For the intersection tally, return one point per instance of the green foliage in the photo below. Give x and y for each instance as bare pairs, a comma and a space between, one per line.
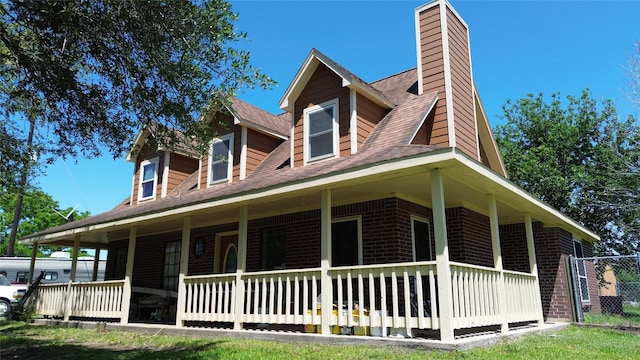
579, 157
37, 215
92, 73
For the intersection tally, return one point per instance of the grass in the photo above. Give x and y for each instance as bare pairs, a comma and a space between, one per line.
23, 340
630, 316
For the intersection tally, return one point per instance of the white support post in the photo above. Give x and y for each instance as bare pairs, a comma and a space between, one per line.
326, 285
32, 264
497, 261
126, 292
533, 263
184, 269
74, 258
445, 297
243, 228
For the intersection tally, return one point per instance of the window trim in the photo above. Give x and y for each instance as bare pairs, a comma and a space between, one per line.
211, 161
155, 161
415, 218
335, 131
358, 219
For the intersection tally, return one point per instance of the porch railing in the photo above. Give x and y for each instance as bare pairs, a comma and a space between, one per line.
98, 300
400, 296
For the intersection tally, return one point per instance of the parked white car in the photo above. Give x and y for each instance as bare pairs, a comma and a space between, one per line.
10, 295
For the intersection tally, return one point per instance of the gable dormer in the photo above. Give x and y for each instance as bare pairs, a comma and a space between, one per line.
332, 111
444, 66
157, 172
247, 134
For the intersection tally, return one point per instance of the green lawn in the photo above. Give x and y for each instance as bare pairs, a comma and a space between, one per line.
21, 340
630, 316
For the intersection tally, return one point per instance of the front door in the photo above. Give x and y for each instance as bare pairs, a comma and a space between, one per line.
228, 255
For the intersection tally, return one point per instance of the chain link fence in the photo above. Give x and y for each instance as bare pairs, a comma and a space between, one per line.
606, 290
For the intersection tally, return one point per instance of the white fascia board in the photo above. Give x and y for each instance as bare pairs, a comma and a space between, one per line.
140, 138
260, 128
302, 76
516, 190
438, 158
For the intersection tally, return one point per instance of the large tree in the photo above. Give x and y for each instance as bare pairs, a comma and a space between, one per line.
93, 72
579, 157
87, 75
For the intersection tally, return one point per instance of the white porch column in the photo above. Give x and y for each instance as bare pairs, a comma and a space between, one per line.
243, 228
497, 261
74, 258
184, 269
32, 264
533, 263
445, 298
126, 292
326, 285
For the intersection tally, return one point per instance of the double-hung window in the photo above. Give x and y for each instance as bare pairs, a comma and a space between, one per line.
221, 159
321, 131
148, 179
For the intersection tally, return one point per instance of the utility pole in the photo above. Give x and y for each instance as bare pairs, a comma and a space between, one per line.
21, 188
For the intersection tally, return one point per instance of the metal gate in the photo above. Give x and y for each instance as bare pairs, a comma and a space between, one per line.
617, 280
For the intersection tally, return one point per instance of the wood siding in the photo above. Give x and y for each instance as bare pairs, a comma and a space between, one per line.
180, 167
369, 115
324, 85
432, 77
145, 154
461, 86
259, 145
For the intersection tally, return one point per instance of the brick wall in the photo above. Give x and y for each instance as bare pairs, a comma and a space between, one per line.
469, 235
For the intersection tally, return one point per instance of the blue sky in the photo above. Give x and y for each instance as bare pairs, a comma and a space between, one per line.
517, 47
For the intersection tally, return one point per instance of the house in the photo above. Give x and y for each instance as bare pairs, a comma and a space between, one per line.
363, 208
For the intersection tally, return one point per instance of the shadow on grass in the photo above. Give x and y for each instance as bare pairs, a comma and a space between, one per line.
16, 344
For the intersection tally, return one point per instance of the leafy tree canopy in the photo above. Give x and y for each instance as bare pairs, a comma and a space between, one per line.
578, 156
39, 212
92, 73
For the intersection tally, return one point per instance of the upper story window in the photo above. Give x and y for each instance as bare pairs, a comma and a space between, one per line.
221, 159
148, 179
321, 131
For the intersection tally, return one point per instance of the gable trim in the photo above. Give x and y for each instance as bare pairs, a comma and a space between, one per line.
309, 66
486, 138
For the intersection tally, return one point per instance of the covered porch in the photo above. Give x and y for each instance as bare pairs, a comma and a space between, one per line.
439, 298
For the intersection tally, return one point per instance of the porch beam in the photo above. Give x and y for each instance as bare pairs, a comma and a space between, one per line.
497, 261
126, 292
445, 297
533, 262
325, 263
185, 245
243, 228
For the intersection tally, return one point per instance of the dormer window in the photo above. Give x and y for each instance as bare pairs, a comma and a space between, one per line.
221, 159
321, 131
148, 179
